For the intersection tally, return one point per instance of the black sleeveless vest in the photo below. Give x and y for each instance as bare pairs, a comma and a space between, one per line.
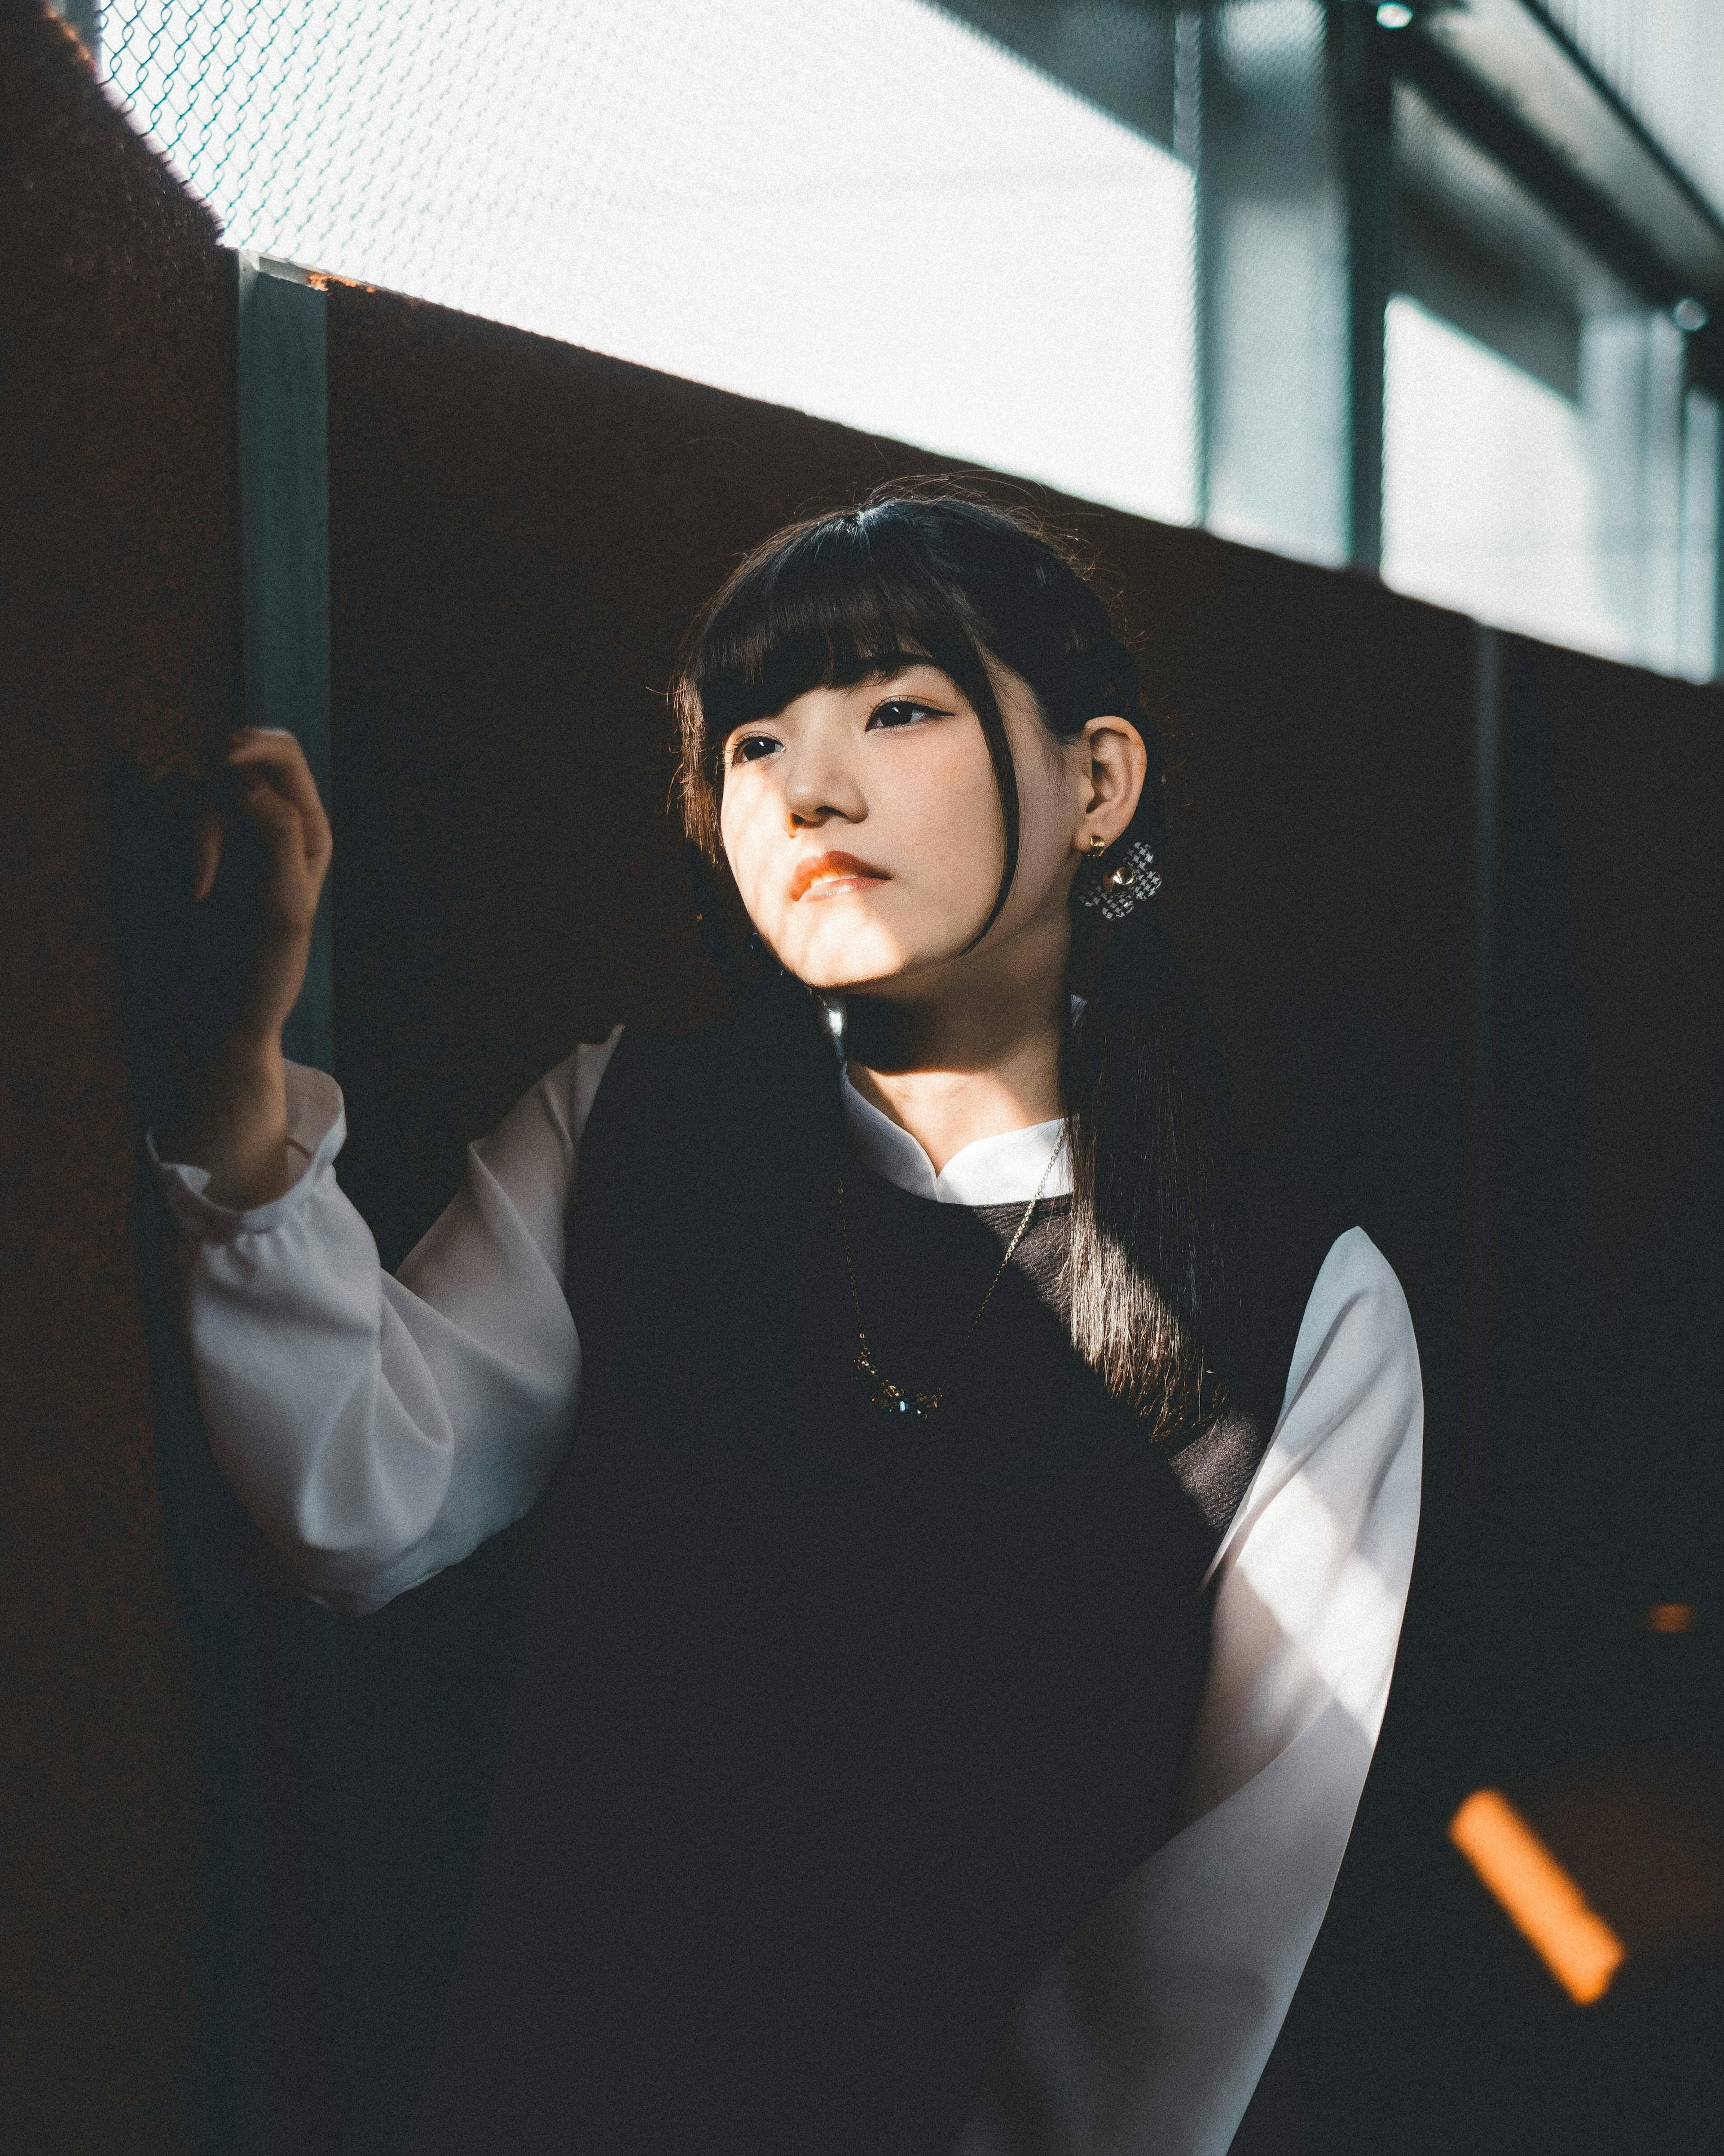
829, 1726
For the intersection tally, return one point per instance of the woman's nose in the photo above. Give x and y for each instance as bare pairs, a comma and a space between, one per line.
817, 787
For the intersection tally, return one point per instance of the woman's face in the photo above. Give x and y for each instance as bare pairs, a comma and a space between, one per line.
864, 828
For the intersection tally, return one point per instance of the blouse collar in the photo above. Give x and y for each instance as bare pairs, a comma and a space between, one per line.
1006, 1169
1003, 1170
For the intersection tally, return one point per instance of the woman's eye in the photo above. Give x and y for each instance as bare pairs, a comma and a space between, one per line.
750, 749
901, 711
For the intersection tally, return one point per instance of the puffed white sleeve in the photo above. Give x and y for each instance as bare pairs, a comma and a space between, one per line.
1196, 1959
377, 1427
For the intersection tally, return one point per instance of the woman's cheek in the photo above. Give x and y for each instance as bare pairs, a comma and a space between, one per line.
957, 806
743, 832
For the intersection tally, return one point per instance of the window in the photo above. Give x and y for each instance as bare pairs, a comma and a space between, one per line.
1546, 465
1140, 252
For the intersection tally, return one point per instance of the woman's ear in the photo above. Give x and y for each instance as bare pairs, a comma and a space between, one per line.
1114, 765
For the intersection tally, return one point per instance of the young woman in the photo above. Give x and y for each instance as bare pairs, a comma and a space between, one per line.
979, 1512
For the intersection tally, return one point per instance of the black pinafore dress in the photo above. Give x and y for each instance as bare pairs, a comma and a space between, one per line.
829, 1726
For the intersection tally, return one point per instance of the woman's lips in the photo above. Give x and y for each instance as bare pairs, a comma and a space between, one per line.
826, 874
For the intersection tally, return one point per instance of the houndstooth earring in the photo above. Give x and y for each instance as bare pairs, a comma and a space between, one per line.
1116, 891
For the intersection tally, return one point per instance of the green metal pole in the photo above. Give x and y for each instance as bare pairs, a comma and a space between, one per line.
284, 502
1364, 94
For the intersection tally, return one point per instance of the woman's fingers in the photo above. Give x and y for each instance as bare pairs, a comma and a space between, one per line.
206, 850
274, 752
271, 785
263, 791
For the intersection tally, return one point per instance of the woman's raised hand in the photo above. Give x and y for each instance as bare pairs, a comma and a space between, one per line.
235, 1104
271, 785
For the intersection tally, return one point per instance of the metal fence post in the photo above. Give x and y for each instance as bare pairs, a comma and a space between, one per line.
284, 518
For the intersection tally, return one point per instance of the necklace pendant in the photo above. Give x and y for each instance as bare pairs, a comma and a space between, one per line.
883, 1394
891, 1398
881, 1391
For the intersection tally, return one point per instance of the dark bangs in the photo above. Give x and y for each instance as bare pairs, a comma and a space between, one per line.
832, 602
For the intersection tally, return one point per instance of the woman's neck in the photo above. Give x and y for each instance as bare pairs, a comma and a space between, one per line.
956, 1070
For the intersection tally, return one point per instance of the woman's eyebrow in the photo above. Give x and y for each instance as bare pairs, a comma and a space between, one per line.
887, 666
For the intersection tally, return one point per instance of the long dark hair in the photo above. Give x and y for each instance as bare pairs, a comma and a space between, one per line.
930, 569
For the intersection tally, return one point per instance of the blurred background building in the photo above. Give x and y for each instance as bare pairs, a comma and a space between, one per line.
1425, 289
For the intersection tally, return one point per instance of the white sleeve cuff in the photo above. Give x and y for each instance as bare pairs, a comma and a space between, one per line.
316, 1131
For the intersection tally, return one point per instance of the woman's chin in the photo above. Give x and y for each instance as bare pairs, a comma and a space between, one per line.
856, 976
837, 963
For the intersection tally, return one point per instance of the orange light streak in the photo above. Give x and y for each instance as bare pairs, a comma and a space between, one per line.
1672, 1617
1569, 1936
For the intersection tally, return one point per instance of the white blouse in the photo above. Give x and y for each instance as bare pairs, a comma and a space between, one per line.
379, 1428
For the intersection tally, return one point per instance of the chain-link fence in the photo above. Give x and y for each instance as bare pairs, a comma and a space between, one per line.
236, 94
877, 212
1050, 235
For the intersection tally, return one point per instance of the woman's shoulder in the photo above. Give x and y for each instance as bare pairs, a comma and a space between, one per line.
745, 1076
627, 1061
645, 1074
1290, 1218
1291, 1230
1357, 1311
1300, 1259
659, 1112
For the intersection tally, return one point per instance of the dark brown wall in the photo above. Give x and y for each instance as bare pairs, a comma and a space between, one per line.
115, 554
1637, 773
1610, 1275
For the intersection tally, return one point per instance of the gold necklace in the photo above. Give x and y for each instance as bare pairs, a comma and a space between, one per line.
895, 1400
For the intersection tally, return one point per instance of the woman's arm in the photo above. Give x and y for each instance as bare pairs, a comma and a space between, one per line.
1312, 1585
379, 1428
1196, 1959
